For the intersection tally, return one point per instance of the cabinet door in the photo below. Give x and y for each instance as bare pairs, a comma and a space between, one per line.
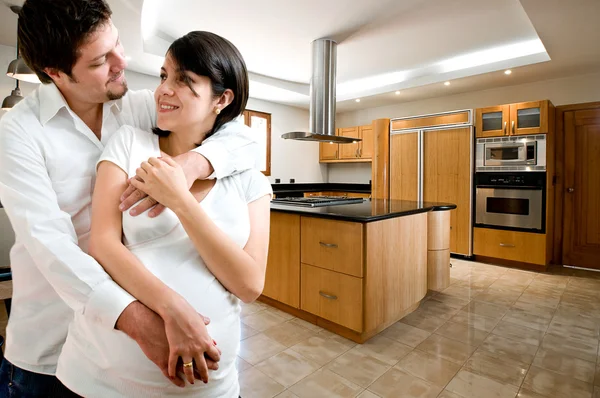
447, 178
510, 245
529, 118
282, 282
365, 150
492, 121
404, 167
328, 150
349, 151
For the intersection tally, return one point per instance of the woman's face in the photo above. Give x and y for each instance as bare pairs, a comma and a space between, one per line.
184, 100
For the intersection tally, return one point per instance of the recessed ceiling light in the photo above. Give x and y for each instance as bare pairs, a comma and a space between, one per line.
447, 84
397, 92
357, 100
507, 72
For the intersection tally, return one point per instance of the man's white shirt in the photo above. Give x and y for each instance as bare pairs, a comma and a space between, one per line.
47, 174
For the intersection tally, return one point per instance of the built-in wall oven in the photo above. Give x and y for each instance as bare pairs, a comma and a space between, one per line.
515, 201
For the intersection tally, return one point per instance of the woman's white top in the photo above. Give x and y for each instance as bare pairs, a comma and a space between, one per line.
96, 362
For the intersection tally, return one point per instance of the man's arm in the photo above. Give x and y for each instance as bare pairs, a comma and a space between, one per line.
230, 150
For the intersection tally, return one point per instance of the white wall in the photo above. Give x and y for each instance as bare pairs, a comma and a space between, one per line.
569, 90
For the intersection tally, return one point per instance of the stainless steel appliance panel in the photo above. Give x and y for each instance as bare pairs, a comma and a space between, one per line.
509, 207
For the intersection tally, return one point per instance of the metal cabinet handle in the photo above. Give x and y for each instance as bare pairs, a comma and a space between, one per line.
570, 190
332, 245
505, 128
336, 156
328, 296
506, 245
360, 153
513, 127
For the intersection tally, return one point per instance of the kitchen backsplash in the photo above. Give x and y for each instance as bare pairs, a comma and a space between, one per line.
359, 173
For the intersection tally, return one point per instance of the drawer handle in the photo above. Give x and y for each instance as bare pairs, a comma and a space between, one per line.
328, 296
332, 245
506, 245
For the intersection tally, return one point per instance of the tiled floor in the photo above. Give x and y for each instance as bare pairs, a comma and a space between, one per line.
495, 332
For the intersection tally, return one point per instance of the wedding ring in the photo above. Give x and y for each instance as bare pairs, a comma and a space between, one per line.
189, 364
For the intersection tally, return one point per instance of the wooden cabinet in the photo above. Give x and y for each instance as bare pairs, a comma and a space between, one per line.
333, 245
360, 151
404, 166
333, 296
522, 118
523, 247
282, 281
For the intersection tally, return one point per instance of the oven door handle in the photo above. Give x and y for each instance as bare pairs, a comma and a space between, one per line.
530, 187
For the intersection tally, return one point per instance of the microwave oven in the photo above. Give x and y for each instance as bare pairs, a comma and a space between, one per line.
527, 153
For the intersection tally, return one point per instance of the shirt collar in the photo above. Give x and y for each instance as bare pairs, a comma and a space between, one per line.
52, 101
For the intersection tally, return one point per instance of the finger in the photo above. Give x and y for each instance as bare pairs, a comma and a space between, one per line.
212, 365
134, 197
146, 167
173, 358
170, 162
140, 175
146, 204
158, 209
188, 369
213, 353
176, 380
154, 161
205, 318
128, 191
202, 368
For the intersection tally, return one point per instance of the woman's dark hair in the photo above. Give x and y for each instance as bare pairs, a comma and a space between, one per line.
51, 32
210, 55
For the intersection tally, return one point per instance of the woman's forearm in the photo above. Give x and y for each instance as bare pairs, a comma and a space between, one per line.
237, 270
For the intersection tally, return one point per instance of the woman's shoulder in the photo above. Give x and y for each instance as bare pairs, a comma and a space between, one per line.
128, 135
252, 184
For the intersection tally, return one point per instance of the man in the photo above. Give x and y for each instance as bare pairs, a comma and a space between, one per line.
49, 145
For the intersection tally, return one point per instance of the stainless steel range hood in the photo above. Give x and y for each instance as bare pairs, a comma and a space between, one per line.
322, 97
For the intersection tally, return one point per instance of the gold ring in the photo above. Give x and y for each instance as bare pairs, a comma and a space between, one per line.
189, 364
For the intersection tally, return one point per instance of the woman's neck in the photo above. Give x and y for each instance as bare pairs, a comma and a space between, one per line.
177, 143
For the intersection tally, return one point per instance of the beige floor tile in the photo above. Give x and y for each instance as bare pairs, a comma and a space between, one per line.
535, 309
565, 365
582, 301
325, 383
477, 321
406, 334
499, 296
486, 309
336, 337
251, 308
247, 331
504, 370
358, 367
288, 333
287, 394
451, 350
448, 394
386, 350
520, 317
529, 394
254, 384
568, 329
320, 350
519, 333
396, 383
540, 300
468, 384
452, 301
307, 325
262, 320
435, 308
368, 394
597, 379
500, 347
257, 348
282, 314
586, 349
242, 365
423, 321
428, 367
596, 392
462, 332
463, 292
288, 367
552, 384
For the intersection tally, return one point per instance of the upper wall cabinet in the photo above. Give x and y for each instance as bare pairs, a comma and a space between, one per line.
360, 151
512, 119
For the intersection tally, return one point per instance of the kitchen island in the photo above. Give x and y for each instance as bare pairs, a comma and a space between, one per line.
356, 269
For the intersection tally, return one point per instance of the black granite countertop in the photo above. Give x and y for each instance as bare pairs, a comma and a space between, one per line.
367, 211
283, 189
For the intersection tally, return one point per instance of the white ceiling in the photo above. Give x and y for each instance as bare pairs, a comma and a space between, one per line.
406, 45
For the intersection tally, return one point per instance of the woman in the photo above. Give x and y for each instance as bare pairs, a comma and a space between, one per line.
204, 254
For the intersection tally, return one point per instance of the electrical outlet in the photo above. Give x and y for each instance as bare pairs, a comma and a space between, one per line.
292, 180
277, 180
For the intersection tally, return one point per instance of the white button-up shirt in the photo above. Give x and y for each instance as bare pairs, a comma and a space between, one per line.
47, 174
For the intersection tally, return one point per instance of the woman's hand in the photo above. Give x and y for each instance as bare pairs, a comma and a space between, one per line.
164, 180
189, 340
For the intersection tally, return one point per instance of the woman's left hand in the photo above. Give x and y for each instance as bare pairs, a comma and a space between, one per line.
164, 180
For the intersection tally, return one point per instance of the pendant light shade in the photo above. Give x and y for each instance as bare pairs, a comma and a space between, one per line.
19, 70
13, 99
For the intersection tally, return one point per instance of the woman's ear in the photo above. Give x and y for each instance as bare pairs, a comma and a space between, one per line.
225, 99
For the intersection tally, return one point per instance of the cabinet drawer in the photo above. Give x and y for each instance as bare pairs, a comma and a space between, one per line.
333, 245
332, 296
510, 245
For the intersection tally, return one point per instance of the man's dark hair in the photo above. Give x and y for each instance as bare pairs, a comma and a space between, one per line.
210, 55
51, 32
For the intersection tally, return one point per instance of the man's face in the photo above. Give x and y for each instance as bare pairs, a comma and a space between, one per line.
99, 73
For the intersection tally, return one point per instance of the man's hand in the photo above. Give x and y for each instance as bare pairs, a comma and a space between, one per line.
148, 330
195, 167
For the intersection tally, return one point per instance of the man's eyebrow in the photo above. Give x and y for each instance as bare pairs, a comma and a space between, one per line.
105, 54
